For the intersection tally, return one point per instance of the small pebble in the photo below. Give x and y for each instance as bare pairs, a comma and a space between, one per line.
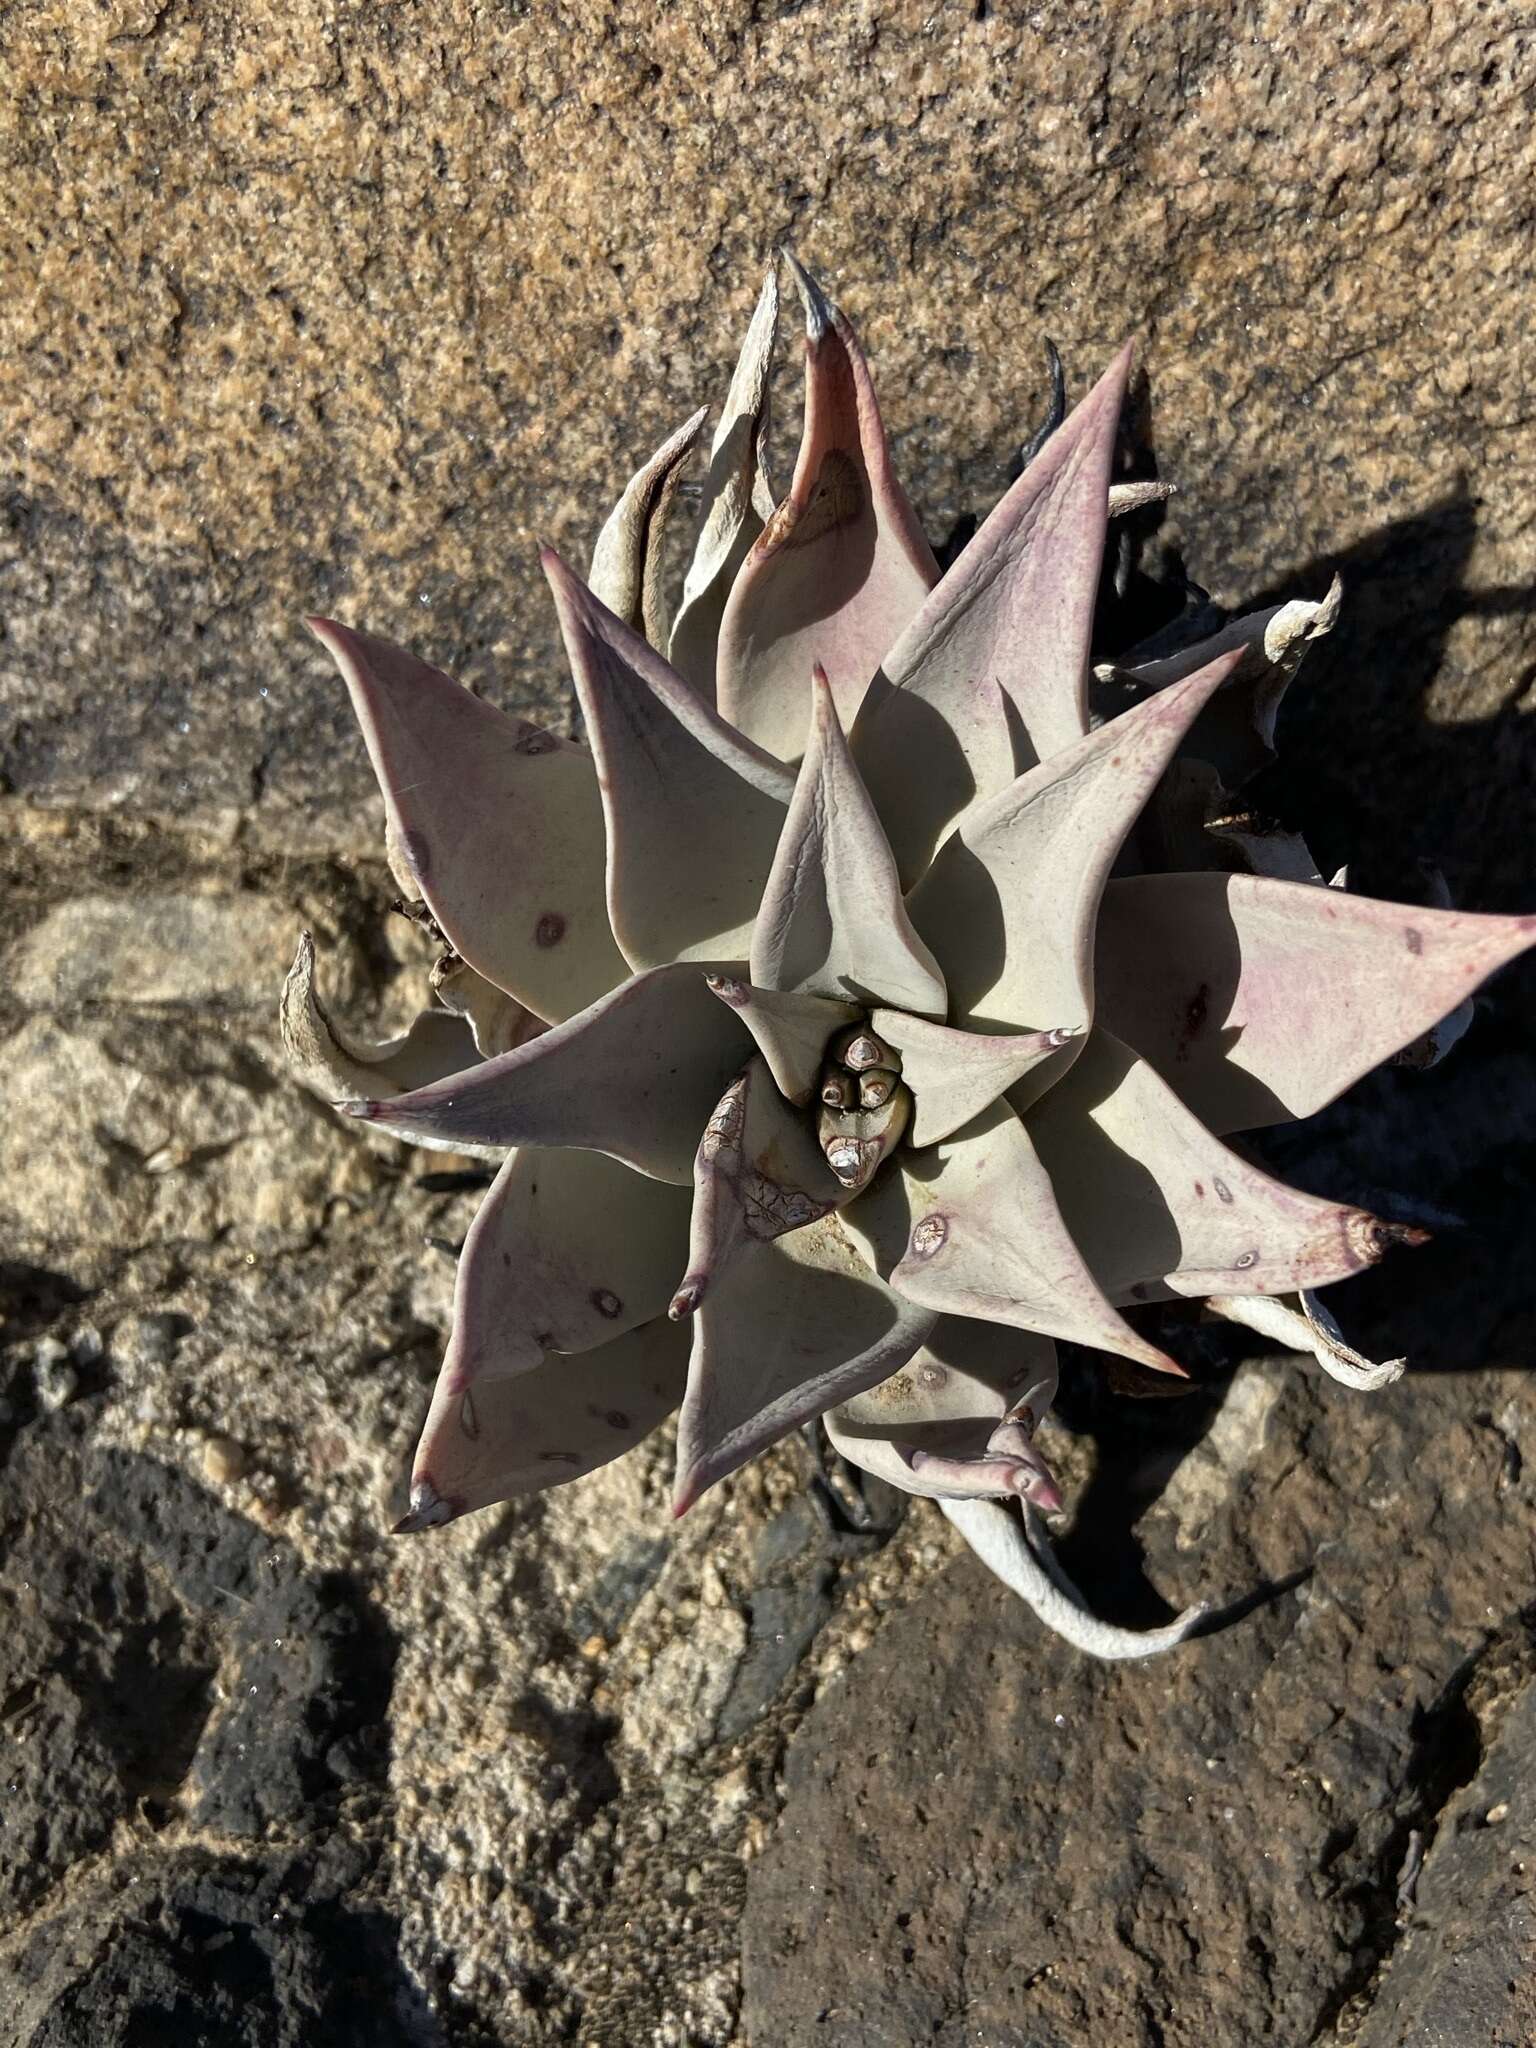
1496, 1813
223, 1460
54, 1374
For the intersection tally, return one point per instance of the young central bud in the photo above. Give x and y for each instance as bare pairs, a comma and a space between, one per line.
865, 1108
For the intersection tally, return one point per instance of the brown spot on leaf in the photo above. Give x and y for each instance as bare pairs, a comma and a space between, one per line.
1195, 1013
1200, 1189
1223, 1192
1413, 938
549, 930
469, 1419
559, 1458
606, 1302
616, 1419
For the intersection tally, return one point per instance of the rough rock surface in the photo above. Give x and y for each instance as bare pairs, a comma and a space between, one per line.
336, 309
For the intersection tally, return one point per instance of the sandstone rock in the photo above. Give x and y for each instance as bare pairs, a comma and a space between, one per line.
343, 320
204, 950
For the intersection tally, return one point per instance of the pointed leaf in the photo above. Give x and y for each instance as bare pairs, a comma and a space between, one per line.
832, 921
737, 501
504, 1438
693, 811
959, 1419
999, 1539
627, 561
972, 1228
955, 1075
758, 1174
569, 1250
501, 825
334, 1064
1009, 905
1158, 1206
785, 1330
840, 567
1010, 621
635, 1076
1260, 1000
792, 1031
931, 751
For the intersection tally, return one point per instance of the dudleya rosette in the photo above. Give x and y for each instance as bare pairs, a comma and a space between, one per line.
862, 1007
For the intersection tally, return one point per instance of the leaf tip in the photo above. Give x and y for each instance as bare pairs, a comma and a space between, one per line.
687, 1298
820, 313
429, 1509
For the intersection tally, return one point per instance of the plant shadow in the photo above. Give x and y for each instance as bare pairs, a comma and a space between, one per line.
1372, 779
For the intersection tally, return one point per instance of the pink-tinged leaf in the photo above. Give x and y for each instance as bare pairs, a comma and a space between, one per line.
991, 676
785, 1330
334, 1064
1159, 1207
792, 1031
841, 566
832, 921
498, 1021
627, 562
1308, 1326
1236, 731
500, 825
759, 1173
500, 1439
955, 1075
972, 1228
693, 811
737, 500
636, 1076
569, 1250
930, 752
960, 1417
1009, 905
1260, 1000
1017, 1551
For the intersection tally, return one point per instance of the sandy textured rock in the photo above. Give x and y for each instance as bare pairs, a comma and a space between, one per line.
314, 312
207, 950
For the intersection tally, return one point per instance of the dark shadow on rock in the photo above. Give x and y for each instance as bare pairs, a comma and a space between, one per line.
179, 1673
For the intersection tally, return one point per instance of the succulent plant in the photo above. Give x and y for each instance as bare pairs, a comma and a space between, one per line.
862, 1008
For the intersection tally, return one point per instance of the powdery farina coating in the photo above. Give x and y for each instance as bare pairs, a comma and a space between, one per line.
862, 1009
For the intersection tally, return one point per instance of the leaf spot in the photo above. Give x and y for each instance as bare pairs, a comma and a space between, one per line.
1413, 939
929, 1236
1244, 1260
469, 1420
606, 1302
549, 930
616, 1419
1223, 1192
